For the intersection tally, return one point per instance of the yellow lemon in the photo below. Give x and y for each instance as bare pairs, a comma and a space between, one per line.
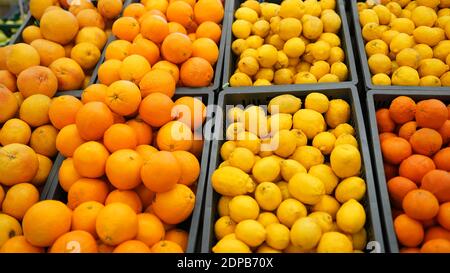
345, 161
305, 78
250, 141
321, 50
423, 16
261, 28
381, 79
430, 80
235, 114
238, 46
279, 121
388, 35
246, 14
248, 65
278, 236
351, 216
290, 167
243, 207
305, 233
350, 188
429, 3
266, 170
442, 50
294, 47
254, 41
394, 8
267, 56
231, 246
308, 156
326, 175
346, 139
403, 25
242, 158
282, 61
312, 7
287, 104
324, 220
251, 232
379, 63
264, 248
429, 35
224, 226
289, 211
312, 27
240, 79
226, 149
269, 10
275, 41
401, 41
376, 46
283, 76
224, 164
328, 4
331, 21
405, 75
234, 129
283, 186
231, 181
292, 8
301, 139
267, 218
368, 16
253, 4
445, 79
359, 239
283, 143
372, 31
324, 142
309, 121
332, 39
289, 28
241, 28
319, 69
338, 113
383, 13
268, 196
340, 70
336, 55
306, 188
222, 206
408, 57
264, 74
343, 128
327, 204
334, 242
434, 67
328, 78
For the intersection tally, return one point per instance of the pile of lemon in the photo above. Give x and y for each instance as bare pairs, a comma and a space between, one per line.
292, 42
290, 181
407, 42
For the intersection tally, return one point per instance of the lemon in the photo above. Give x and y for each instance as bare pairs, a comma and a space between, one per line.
290, 167
267, 218
293, 62
226, 149
224, 164
254, 41
289, 28
328, 78
287, 104
383, 13
222, 206
326, 175
266, 148
306, 188
250, 141
331, 21
268, 196
334, 242
338, 113
269, 10
264, 74
275, 41
381, 79
248, 65
423, 16
238, 46
240, 79
324, 142
340, 70
241, 28
336, 55
251, 232
283, 186
368, 16
350, 188
442, 50
231, 246
327, 204
332, 39
264, 248
267, 56
345, 161
308, 156
445, 11
283, 76
296, 249
312, 7
224, 226
403, 25
379, 63
372, 31
394, 8
246, 14
284, 143
282, 61
401, 41
275, 24
433, 67
319, 69
253, 4
243, 207
346, 139
430, 81
429, 3
231, 181
301, 139
359, 239
289, 211
362, 6
408, 57
279, 121
266, 170
324, 220
328, 4
445, 79
234, 129
235, 114
294, 47
388, 35
429, 35
321, 50
376, 46
351, 216
304, 78
292, 9
278, 236
405, 75
309, 121
312, 27
343, 128
305, 233
242, 158
231, 236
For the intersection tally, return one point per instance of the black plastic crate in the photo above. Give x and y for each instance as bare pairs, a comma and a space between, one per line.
55, 192
261, 96
378, 99
364, 63
344, 34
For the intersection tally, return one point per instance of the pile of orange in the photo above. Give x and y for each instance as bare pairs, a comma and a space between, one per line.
415, 139
162, 44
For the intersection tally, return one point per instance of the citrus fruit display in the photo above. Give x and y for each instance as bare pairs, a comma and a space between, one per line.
407, 43
293, 42
290, 180
414, 137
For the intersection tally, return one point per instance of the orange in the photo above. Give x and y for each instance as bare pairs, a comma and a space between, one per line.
402, 109
85, 215
145, 195
431, 113
15, 131
161, 172
410, 250
160, 5
45, 222
20, 57
444, 131
176, 27
126, 28
147, 49
78, 6
438, 183
143, 131
174, 136
8, 104
133, 68
208, 10
19, 198
116, 223
68, 140
443, 216
166, 247
135, 10
169, 67
407, 130
93, 35
93, 119
120, 136
84, 190
123, 169
426, 141
409, 231
67, 174
18, 244
384, 121
191, 111
145, 151
38, 7
197, 145
205, 48
178, 236
63, 110
78, 241
132, 246
180, 12
415, 167
152, 12
420, 204
109, 72
45, 166
90, 18
156, 109
18, 164
86, 55
395, 149
157, 81
31, 33
129, 198
398, 187
123, 97
151, 229
436, 246
209, 30
89, 159
61, 33
34, 110
109, 8
43, 140
94, 92
176, 48
174, 206
48, 51
104, 248
118, 49
4, 51
8, 80
196, 72
69, 74
441, 159
436, 232
37, 80
190, 167
154, 28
